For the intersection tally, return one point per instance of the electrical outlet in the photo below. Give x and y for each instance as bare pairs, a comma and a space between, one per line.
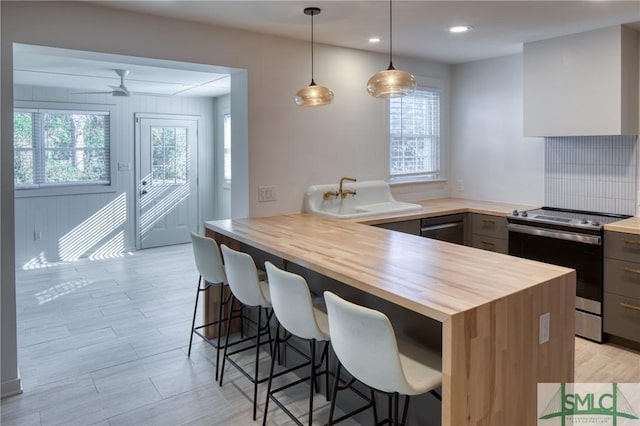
544, 328
37, 235
460, 185
266, 193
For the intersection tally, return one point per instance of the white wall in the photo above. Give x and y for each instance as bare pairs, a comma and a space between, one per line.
492, 158
57, 216
288, 146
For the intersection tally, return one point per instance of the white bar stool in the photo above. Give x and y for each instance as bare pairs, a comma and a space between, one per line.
212, 274
294, 309
365, 344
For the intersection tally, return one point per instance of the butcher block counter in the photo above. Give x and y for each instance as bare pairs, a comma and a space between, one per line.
487, 305
628, 226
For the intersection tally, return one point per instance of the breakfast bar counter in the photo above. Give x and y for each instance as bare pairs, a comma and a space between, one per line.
488, 305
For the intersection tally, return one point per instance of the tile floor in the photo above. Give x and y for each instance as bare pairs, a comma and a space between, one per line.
104, 342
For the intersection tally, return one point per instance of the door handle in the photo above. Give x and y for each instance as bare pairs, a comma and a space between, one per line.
631, 270
628, 306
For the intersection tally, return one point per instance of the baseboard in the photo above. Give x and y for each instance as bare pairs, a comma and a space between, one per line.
11, 387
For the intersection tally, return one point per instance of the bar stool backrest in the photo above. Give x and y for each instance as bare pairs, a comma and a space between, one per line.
365, 343
208, 259
292, 303
242, 277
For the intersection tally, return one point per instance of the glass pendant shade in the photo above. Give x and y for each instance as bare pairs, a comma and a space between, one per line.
391, 83
313, 95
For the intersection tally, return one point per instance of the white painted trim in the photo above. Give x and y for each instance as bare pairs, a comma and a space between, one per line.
11, 387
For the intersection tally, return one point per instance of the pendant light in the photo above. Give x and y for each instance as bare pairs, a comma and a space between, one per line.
313, 95
391, 83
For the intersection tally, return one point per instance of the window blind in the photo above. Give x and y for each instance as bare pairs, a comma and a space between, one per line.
414, 134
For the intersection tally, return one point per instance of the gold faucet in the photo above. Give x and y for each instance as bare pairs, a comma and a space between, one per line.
344, 193
340, 192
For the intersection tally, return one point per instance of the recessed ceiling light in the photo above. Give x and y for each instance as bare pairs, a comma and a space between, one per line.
374, 40
460, 29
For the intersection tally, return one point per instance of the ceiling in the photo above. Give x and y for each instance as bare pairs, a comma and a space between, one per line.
420, 30
420, 27
95, 72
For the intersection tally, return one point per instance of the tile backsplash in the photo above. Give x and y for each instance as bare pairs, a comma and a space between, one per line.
595, 173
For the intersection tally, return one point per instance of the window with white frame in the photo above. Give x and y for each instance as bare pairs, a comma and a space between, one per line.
414, 136
227, 149
61, 148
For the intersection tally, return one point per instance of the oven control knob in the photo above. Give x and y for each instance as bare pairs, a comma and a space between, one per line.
516, 213
595, 223
584, 221
524, 214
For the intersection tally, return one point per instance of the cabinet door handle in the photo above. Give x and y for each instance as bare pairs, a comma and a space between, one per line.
628, 306
492, 222
489, 243
631, 270
635, 242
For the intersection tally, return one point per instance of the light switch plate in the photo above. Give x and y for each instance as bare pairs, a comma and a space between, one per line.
266, 193
124, 167
544, 328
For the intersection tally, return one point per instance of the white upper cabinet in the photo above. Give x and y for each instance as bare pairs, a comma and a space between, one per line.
582, 84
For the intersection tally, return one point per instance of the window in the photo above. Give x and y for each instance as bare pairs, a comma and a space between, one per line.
227, 149
414, 136
56, 147
170, 156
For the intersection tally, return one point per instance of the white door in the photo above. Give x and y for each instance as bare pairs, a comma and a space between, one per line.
167, 201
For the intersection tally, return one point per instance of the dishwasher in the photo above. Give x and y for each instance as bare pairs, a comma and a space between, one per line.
448, 228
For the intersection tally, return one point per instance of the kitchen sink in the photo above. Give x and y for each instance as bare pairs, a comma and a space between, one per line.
371, 198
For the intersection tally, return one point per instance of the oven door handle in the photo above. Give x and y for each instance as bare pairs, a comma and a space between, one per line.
555, 233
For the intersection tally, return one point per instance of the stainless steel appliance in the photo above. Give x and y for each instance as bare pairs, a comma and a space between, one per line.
570, 238
448, 228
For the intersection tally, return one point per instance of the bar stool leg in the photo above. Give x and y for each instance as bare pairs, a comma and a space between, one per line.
334, 394
255, 377
273, 363
406, 409
396, 417
312, 385
220, 305
373, 404
226, 341
193, 321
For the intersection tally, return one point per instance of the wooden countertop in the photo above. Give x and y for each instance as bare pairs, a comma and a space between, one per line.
433, 278
444, 206
630, 226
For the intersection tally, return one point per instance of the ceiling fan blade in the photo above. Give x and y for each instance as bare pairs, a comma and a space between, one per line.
163, 95
91, 93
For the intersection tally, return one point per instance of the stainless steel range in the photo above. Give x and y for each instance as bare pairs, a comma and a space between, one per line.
570, 238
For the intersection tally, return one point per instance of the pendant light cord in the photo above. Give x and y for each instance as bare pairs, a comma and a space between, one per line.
312, 81
390, 36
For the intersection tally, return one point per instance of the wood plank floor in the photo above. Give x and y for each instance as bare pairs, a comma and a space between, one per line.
104, 342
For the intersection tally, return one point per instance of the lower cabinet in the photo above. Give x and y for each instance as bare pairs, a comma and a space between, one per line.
621, 310
483, 231
489, 233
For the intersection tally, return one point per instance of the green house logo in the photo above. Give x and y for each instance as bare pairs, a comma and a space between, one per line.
588, 407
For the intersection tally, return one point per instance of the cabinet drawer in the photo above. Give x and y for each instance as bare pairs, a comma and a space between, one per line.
493, 226
485, 242
622, 316
622, 278
619, 245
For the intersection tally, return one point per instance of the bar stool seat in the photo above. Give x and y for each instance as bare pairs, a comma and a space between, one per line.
212, 274
366, 345
295, 311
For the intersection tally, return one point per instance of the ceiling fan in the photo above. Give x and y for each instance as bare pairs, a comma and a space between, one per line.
120, 90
